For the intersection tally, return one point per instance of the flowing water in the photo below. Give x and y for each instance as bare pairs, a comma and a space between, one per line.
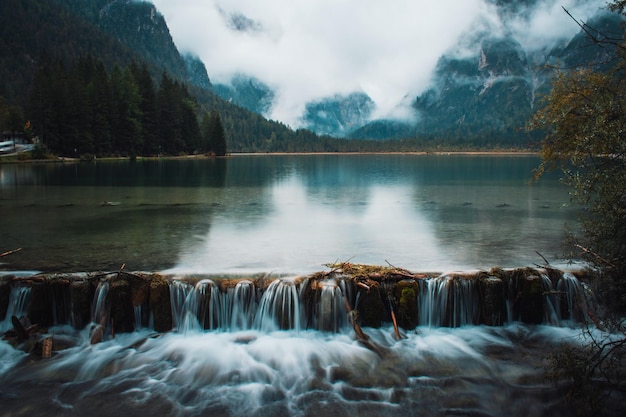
245, 351
248, 351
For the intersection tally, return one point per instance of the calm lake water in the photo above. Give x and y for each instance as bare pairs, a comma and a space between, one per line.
290, 214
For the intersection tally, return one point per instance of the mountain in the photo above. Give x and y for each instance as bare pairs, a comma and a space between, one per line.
338, 115
247, 92
479, 97
196, 72
486, 95
482, 96
46, 35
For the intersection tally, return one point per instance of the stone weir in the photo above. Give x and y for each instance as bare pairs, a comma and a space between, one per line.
348, 295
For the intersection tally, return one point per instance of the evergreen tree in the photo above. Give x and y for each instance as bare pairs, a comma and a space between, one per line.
214, 138
127, 138
169, 116
149, 109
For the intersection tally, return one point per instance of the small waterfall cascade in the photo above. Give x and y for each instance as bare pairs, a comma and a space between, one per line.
330, 308
115, 303
551, 314
179, 291
572, 303
100, 308
17, 306
242, 303
280, 307
448, 301
195, 307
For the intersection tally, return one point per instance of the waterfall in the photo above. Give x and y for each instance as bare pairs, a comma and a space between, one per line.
316, 302
329, 312
447, 301
195, 308
573, 300
279, 308
19, 299
242, 304
179, 291
207, 299
551, 314
100, 309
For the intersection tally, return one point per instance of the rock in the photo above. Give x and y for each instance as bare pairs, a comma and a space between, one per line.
160, 303
532, 300
40, 308
81, 294
122, 313
492, 302
5, 294
370, 306
407, 291
139, 288
140, 295
20, 332
97, 335
59, 290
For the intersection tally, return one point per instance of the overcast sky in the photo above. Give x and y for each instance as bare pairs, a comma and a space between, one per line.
310, 49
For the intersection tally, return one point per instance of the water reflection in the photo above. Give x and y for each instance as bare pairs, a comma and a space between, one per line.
282, 213
302, 231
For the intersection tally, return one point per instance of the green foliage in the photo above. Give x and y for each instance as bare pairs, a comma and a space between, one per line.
585, 121
595, 370
85, 110
213, 136
584, 118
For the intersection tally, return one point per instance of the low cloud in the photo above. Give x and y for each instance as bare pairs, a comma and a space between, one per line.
307, 50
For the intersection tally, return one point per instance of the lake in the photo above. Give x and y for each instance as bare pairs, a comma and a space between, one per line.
282, 213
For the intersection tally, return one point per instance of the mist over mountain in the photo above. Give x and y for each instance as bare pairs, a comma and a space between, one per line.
485, 91
480, 90
45, 36
247, 92
397, 57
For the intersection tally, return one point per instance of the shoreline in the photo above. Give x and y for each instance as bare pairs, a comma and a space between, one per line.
6, 159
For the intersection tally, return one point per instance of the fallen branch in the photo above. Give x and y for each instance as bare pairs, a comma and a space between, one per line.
542, 257
11, 252
353, 318
395, 325
595, 255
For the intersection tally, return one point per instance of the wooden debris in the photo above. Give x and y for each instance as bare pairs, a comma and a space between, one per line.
364, 339
10, 252
395, 325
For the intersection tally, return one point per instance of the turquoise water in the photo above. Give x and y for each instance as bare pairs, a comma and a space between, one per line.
292, 214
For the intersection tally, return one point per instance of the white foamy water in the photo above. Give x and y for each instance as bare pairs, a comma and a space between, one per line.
475, 370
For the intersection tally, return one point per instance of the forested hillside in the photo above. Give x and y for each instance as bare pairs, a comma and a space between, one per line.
73, 68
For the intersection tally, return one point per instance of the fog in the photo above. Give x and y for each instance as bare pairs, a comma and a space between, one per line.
308, 50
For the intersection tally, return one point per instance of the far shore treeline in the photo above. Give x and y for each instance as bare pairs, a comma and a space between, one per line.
84, 110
